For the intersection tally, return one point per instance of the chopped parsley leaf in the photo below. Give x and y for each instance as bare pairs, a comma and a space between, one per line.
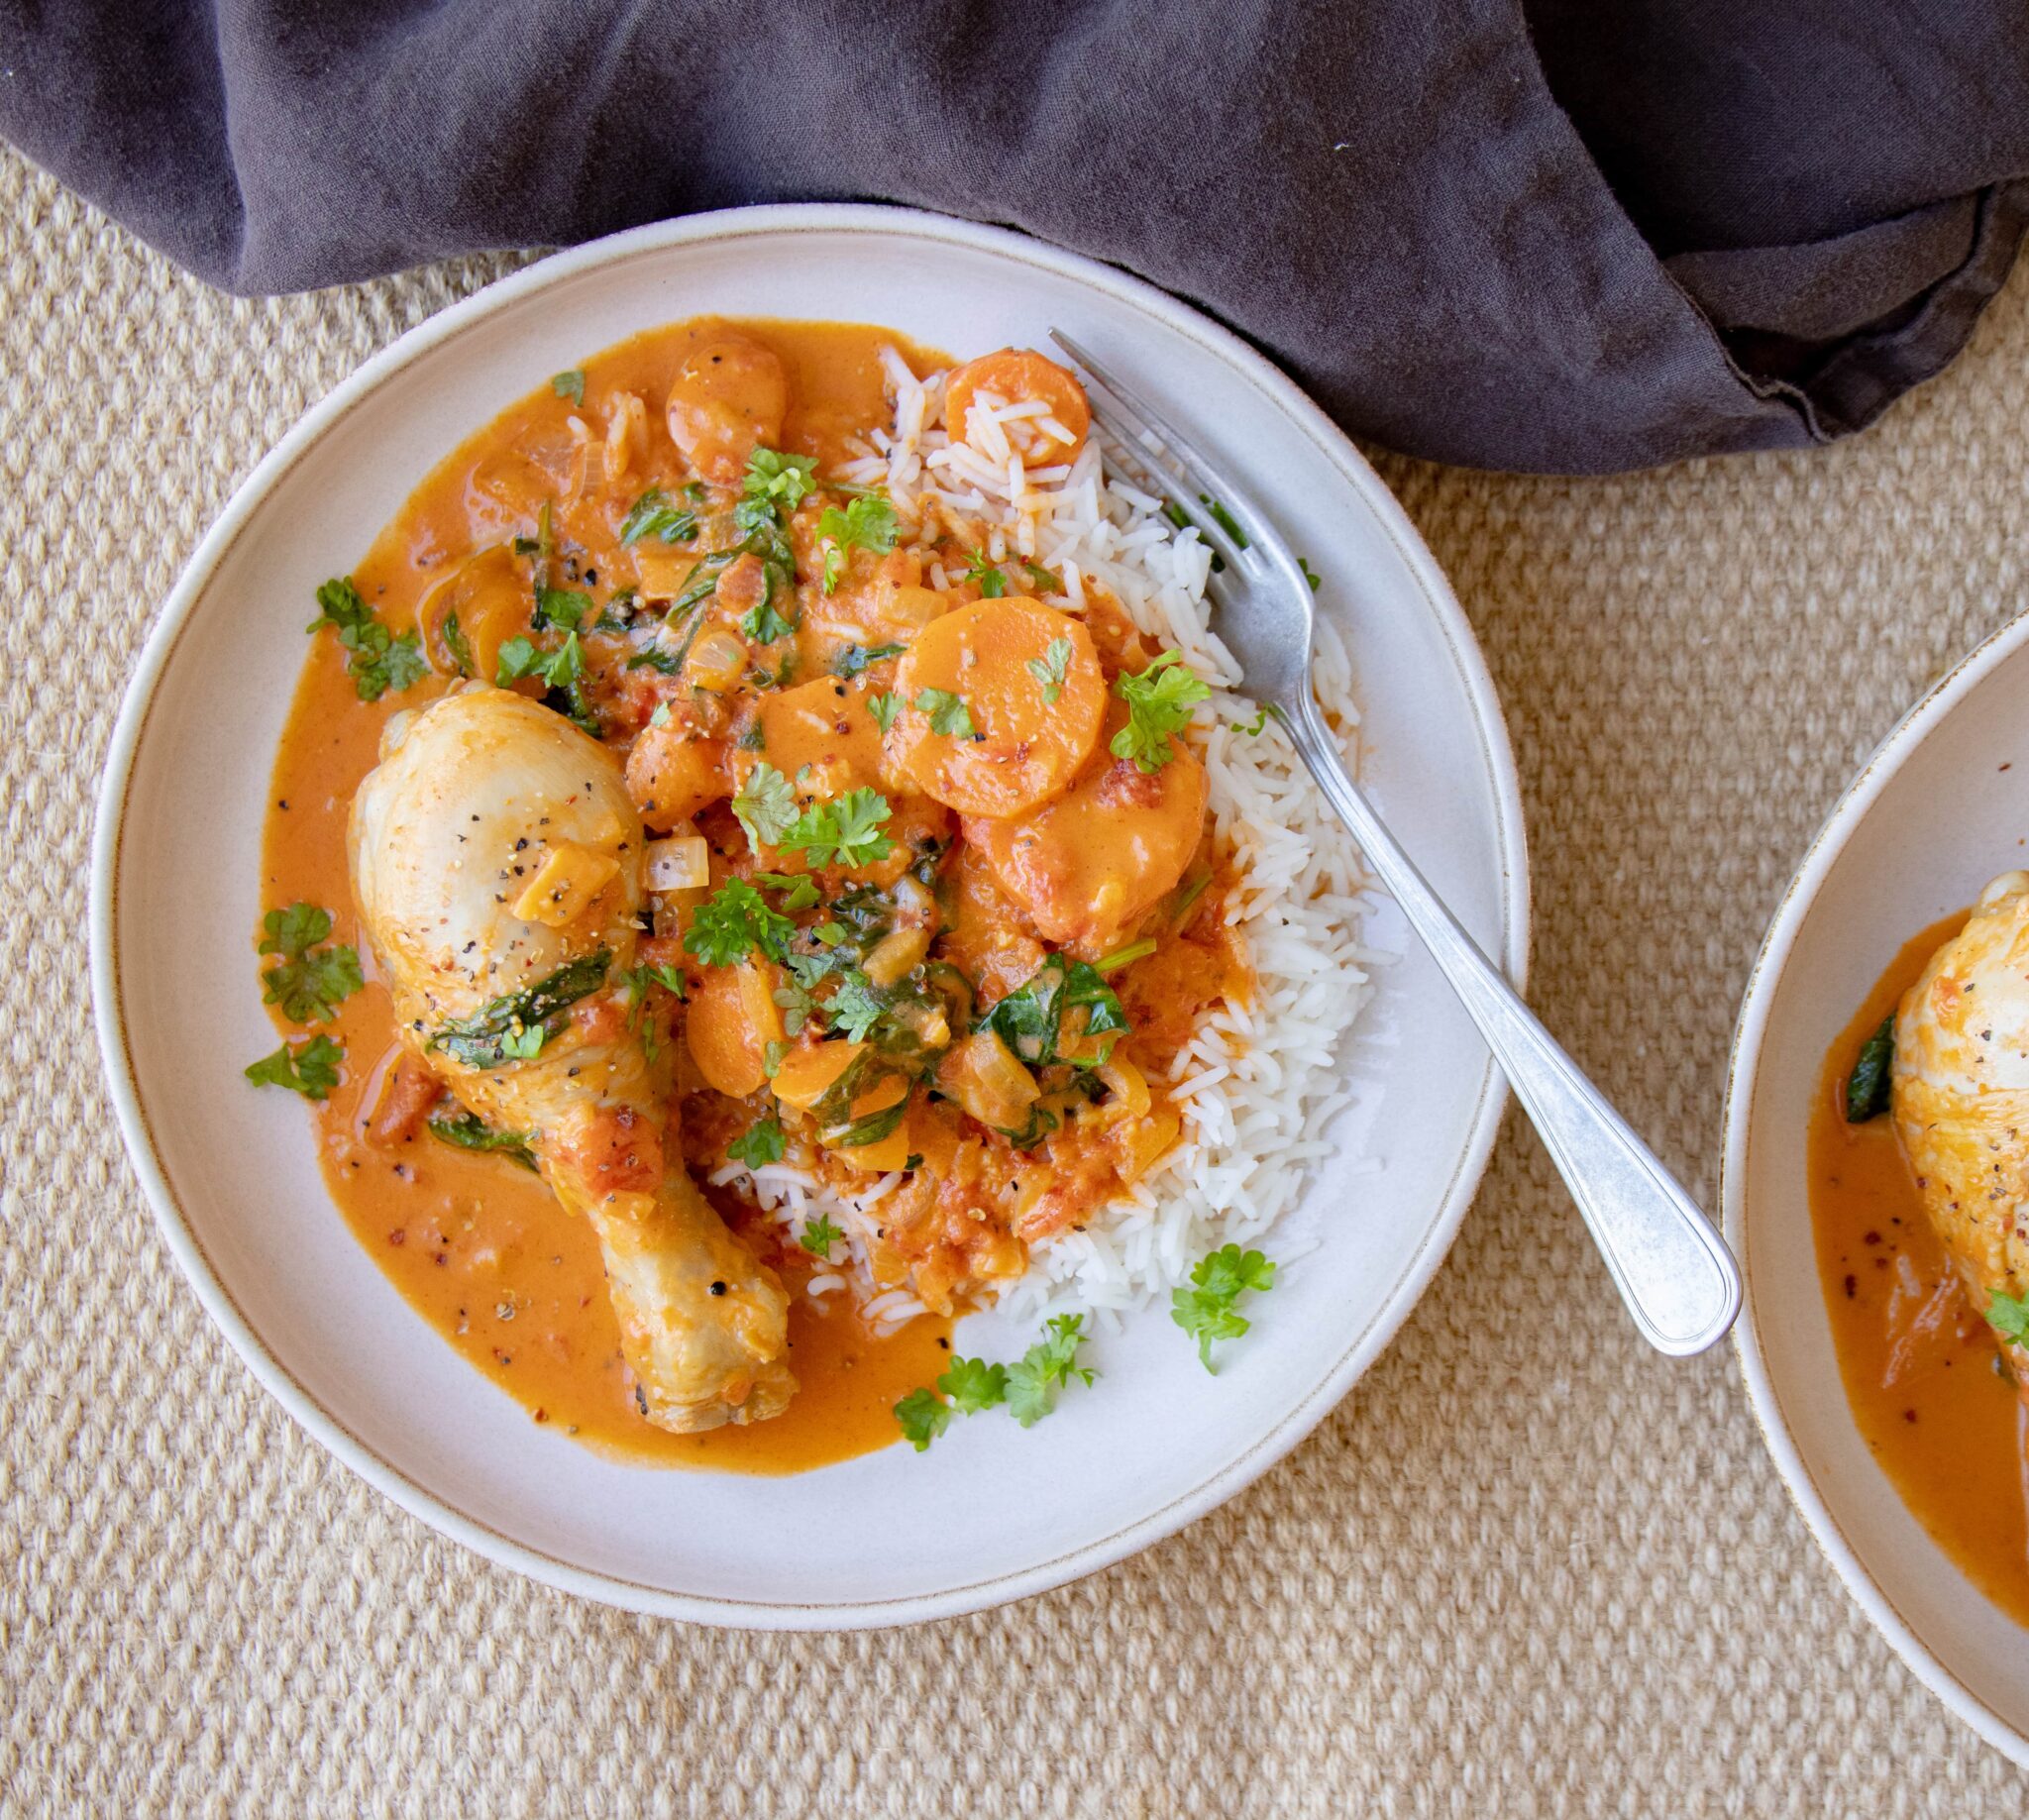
522, 657
1316, 580
922, 1419
560, 606
570, 384
855, 658
734, 920
780, 481
1046, 579
885, 707
974, 1385
948, 714
856, 1007
375, 660
800, 888
656, 515
819, 1236
764, 626
993, 582
637, 981
845, 831
1049, 668
1159, 702
1034, 1379
310, 1070
309, 983
761, 1143
866, 524
1207, 1312
1254, 726
766, 805
2008, 1316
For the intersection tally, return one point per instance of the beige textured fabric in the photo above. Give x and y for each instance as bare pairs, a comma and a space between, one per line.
1526, 1568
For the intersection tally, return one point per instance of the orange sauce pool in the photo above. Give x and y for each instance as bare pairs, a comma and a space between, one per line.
478, 1247
1918, 1363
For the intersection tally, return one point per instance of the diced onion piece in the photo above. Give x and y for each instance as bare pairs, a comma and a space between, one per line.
683, 863
983, 1075
894, 957
1145, 1141
564, 884
717, 660
1128, 1086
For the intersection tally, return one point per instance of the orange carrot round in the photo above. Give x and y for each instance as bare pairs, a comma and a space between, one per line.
1095, 861
732, 1018
1017, 375
1002, 701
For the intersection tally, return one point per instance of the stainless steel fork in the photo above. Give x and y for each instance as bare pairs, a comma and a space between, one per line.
1673, 1271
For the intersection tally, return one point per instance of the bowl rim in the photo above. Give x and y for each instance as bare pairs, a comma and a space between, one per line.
1931, 709
179, 1233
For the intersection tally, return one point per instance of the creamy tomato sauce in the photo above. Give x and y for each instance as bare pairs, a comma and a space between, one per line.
1918, 1363
1110, 862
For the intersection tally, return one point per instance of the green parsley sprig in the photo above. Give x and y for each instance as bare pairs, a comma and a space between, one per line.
762, 1142
311, 1068
866, 524
1159, 703
948, 712
845, 831
2008, 1316
732, 923
766, 807
1206, 1312
1027, 1389
309, 983
375, 660
1050, 667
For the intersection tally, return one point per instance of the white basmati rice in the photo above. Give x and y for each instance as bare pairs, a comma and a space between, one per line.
1258, 1083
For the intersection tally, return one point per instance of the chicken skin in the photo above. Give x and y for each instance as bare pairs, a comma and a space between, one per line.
1960, 1086
498, 864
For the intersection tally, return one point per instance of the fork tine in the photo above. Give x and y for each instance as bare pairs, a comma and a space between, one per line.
1142, 464
1127, 428
1147, 420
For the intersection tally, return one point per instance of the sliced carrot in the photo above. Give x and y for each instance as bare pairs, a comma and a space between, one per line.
673, 772
1030, 690
1017, 375
809, 1073
828, 726
729, 397
731, 1022
1100, 857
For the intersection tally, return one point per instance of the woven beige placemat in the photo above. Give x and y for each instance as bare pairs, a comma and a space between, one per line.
1526, 1568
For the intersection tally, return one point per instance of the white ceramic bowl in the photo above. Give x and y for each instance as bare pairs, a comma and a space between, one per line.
1940, 808
231, 1172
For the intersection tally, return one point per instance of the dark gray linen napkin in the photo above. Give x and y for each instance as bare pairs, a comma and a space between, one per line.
1560, 236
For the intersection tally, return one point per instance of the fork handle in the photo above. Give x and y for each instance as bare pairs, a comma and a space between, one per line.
1679, 1281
